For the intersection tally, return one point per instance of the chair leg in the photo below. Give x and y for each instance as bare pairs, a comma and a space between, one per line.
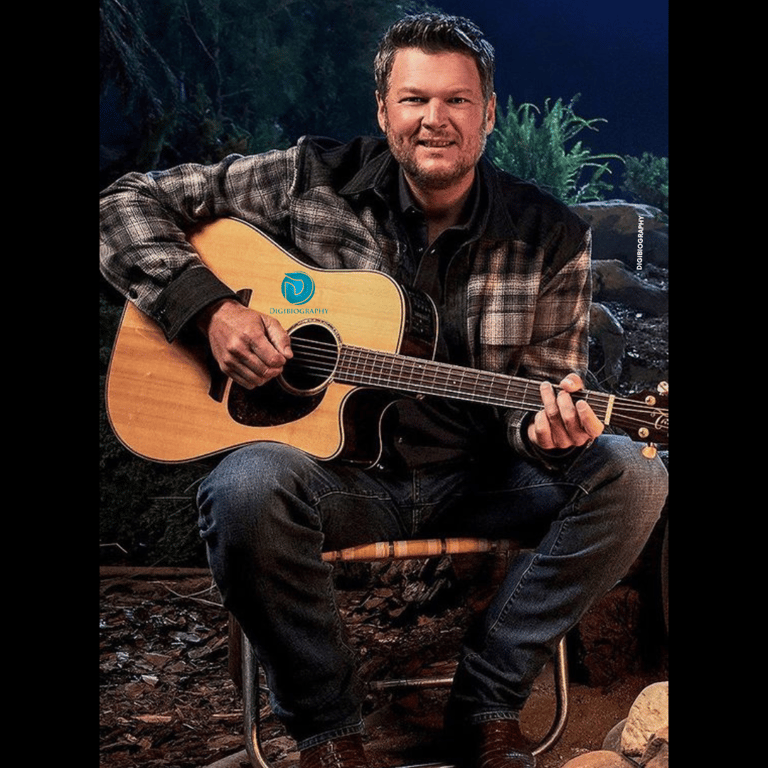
252, 715
561, 700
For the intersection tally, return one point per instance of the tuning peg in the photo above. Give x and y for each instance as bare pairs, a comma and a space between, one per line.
649, 451
663, 388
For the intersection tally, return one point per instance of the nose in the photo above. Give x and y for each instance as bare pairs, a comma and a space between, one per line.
435, 114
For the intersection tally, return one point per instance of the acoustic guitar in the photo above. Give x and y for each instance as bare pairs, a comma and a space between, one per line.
360, 341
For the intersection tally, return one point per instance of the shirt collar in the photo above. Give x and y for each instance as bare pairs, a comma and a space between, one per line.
470, 220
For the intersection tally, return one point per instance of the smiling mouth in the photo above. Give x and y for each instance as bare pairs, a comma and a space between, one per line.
435, 143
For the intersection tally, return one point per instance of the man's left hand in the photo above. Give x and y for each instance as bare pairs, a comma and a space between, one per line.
563, 423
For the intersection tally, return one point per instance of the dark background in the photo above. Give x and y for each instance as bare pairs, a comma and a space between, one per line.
272, 71
614, 54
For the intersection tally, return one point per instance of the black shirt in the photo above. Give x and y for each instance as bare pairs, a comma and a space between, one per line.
422, 432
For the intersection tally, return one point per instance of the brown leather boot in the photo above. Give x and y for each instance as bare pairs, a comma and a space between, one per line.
344, 752
499, 744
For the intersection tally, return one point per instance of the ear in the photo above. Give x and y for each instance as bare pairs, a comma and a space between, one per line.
381, 113
490, 114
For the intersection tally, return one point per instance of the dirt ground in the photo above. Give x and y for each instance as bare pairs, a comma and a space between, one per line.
167, 699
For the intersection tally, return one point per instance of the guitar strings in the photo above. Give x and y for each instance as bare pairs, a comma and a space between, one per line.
356, 365
370, 367
378, 365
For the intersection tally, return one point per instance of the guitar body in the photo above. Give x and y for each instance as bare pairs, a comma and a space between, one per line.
168, 403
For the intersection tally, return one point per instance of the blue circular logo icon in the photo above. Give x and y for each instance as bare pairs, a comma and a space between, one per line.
297, 288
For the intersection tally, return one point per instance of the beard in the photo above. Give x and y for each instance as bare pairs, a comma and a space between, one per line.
404, 150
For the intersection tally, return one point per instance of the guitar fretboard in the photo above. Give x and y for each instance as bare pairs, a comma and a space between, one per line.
415, 376
427, 377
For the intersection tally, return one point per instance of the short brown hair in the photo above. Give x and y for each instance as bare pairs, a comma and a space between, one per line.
435, 33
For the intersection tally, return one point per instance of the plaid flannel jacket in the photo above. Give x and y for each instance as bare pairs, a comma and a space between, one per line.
525, 290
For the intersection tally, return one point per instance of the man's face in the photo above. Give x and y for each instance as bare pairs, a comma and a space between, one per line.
434, 116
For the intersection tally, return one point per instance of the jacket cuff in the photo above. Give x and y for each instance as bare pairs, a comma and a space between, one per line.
192, 291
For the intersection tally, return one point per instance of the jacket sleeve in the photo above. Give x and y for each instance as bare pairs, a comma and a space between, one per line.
144, 252
560, 340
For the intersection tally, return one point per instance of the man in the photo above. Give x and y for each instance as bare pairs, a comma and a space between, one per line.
508, 268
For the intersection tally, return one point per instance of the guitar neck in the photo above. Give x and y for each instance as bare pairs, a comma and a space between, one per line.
414, 376
643, 416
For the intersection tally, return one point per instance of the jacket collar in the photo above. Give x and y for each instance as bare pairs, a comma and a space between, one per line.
378, 174
375, 175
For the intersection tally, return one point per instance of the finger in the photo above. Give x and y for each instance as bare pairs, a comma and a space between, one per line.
251, 361
580, 421
568, 415
572, 383
261, 355
244, 376
540, 432
266, 346
558, 429
259, 363
540, 429
589, 421
564, 423
278, 336
248, 370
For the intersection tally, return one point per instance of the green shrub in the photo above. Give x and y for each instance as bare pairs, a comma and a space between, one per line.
646, 179
540, 152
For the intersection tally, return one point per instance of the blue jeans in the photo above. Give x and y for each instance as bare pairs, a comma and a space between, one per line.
268, 511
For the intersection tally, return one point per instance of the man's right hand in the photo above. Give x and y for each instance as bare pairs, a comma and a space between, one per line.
250, 347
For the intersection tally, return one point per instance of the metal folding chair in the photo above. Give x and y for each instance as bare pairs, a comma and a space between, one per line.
384, 551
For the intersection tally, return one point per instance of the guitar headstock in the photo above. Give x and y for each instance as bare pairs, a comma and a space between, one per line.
645, 417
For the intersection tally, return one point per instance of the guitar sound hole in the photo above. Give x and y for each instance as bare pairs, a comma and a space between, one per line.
315, 355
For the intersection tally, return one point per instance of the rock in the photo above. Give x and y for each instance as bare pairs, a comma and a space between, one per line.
607, 330
660, 761
612, 741
640, 741
601, 759
656, 753
612, 281
648, 717
620, 230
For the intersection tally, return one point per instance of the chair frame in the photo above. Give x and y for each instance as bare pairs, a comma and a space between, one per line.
386, 551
